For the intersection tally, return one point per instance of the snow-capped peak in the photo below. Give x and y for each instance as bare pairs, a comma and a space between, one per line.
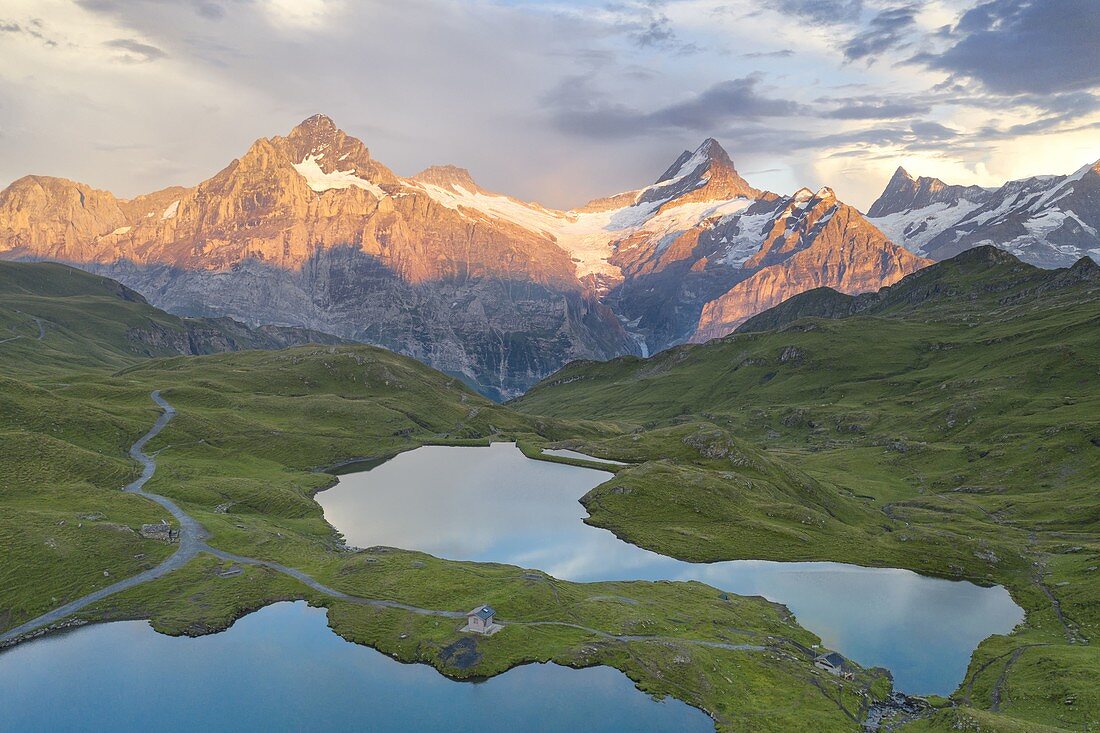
710, 150
902, 174
802, 195
316, 123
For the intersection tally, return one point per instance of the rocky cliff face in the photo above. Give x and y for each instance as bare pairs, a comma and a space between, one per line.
904, 193
309, 230
814, 241
1049, 221
943, 291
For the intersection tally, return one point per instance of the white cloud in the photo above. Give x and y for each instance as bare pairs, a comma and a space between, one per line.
299, 14
470, 82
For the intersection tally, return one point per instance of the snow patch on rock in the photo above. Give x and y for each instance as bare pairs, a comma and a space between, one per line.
320, 181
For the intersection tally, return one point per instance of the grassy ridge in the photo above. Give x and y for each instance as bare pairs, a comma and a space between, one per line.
949, 424
54, 316
946, 431
241, 455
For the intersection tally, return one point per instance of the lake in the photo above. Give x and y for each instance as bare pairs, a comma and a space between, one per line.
282, 668
496, 505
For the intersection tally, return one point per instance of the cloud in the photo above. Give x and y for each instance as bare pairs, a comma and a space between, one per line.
32, 28
927, 130
647, 27
135, 52
657, 33
780, 54
1025, 46
578, 111
889, 29
822, 11
876, 109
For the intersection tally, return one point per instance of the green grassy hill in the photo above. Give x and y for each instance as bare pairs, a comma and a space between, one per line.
241, 456
55, 316
949, 424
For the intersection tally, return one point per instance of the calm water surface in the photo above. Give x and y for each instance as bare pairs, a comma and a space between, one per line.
566, 453
282, 669
496, 505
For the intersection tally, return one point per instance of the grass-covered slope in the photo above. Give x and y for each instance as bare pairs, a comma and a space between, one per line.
950, 424
55, 316
241, 456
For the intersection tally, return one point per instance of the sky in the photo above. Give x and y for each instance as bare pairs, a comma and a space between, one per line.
558, 101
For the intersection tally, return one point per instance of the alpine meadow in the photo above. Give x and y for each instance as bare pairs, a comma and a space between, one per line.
766, 399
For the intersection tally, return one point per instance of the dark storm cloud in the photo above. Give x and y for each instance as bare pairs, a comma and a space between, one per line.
580, 111
888, 29
1020, 46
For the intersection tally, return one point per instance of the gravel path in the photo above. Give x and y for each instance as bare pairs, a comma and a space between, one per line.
41, 329
192, 542
192, 536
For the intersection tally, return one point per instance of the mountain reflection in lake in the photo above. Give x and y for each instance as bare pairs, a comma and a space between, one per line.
496, 505
282, 669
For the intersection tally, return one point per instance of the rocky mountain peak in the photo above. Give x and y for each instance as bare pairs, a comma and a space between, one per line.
316, 126
709, 152
801, 197
903, 193
713, 150
705, 174
447, 176
319, 137
901, 175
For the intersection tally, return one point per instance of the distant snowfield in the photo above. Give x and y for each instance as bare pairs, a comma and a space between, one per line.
923, 225
1040, 205
588, 235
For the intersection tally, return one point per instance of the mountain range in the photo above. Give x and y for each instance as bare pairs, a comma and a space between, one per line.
1049, 221
309, 230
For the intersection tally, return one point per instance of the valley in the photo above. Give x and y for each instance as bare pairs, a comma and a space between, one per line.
571, 365
308, 230
819, 470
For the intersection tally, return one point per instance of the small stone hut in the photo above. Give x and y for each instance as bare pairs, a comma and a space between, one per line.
480, 620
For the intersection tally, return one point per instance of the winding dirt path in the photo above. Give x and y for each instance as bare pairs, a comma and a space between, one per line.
192, 542
192, 536
38, 322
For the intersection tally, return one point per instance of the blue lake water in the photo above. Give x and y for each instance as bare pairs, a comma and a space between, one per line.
282, 669
496, 505
566, 453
